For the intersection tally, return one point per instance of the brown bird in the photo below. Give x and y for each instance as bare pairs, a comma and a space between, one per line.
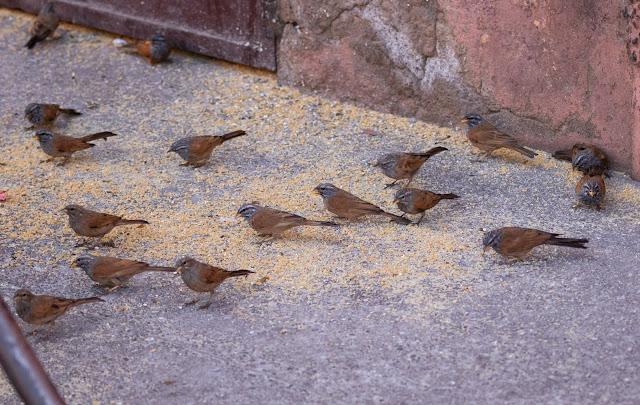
346, 205
95, 224
415, 201
585, 157
518, 242
488, 138
43, 26
45, 114
401, 165
44, 309
156, 50
196, 150
590, 191
113, 272
58, 145
202, 277
271, 222
589, 159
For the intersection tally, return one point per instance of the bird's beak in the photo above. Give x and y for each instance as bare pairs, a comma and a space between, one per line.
179, 269
315, 191
170, 150
64, 210
592, 193
37, 138
74, 264
396, 201
484, 250
465, 120
16, 298
238, 214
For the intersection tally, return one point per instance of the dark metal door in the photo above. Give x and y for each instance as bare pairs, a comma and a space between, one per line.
240, 31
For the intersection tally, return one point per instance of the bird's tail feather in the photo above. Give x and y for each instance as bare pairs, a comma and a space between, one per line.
568, 242
98, 135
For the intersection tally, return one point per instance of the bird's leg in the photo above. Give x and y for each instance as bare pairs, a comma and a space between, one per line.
420, 220
194, 301
267, 238
410, 180
64, 161
96, 243
208, 303
391, 184
110, 243
483, 156
83, 243
576, 206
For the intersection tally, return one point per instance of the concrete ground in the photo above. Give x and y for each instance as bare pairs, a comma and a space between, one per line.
371, 312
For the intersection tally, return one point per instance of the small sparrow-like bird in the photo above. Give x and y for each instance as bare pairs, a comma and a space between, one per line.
518, 242
196, 150
401, 165
95, 224
113, 272
45, 309
415, 201
585, 157
202, 277
590, 191
346, 205
488, 138
589, 159
43, 26
272, 222
155, 50
45, 114
58, 145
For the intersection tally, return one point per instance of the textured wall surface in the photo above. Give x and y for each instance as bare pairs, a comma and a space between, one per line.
548, 72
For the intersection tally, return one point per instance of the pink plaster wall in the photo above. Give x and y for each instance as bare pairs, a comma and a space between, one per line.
550, 72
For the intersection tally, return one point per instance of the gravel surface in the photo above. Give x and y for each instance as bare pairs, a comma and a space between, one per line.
370, 312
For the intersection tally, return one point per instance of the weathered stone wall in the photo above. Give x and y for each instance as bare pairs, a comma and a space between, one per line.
549, 72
